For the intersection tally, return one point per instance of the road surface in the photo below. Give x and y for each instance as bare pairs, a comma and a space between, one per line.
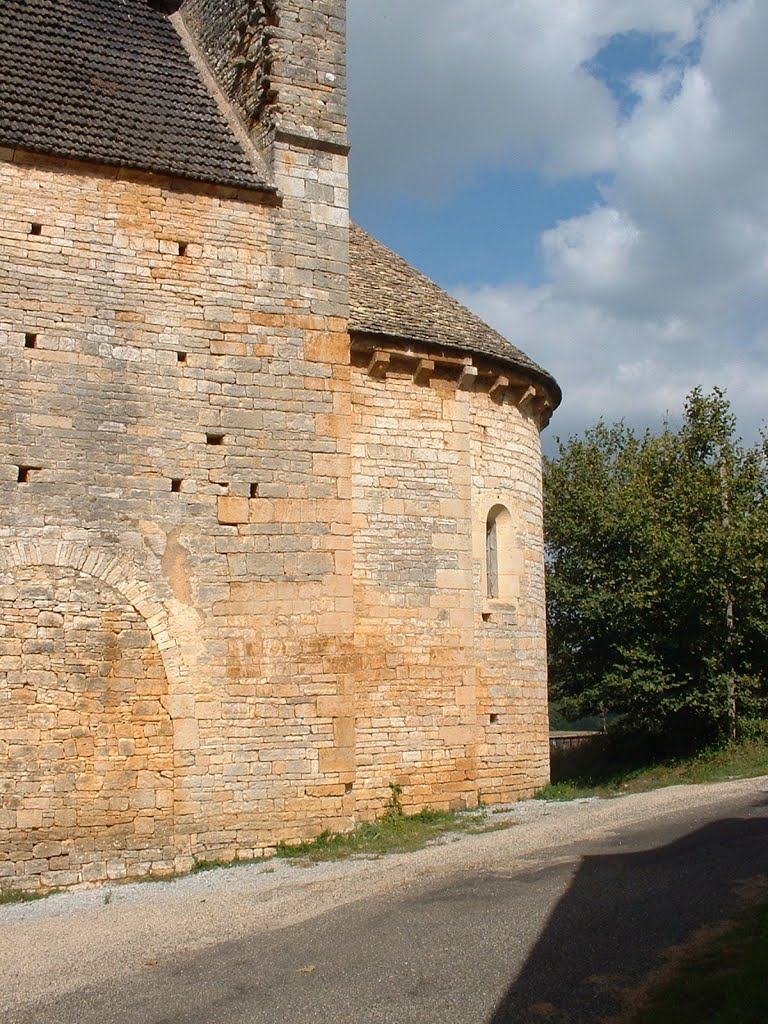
559, 918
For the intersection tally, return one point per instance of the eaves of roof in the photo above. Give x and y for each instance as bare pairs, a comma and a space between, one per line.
391, 299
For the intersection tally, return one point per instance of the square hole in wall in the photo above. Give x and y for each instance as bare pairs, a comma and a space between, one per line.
347, 788
35, 228
254, 492
183, 246
215, 439
176, 485
24, 474
181, 357
30, 341
486, 616
493, 719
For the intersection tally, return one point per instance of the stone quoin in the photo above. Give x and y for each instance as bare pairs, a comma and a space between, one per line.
271, 522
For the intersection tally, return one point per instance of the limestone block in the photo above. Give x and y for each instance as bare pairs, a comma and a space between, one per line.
233, 509
186, 734
344, 732
28, 819
334, 760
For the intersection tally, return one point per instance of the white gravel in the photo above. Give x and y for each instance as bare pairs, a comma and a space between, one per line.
66, 941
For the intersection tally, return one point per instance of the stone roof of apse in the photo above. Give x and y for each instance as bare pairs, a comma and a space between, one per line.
110, 81
389, 297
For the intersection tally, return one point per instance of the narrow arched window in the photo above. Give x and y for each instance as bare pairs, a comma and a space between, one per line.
498, 554
491, 558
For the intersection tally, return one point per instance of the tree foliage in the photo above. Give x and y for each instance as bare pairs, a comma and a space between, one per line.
657, 585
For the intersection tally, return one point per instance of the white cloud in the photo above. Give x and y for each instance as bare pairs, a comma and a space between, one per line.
592, 254
622, 368
442, 87
665, 285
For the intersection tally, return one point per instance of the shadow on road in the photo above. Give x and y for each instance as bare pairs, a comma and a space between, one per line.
635, 906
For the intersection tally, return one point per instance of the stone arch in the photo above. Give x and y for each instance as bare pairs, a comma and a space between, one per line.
117, 571
87, 778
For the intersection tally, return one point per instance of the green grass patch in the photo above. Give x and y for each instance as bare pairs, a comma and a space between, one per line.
8, 896
724, 983
392, 833
606, 776
567, 791
215, 864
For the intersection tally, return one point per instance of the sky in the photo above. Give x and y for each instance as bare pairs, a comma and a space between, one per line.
590, 176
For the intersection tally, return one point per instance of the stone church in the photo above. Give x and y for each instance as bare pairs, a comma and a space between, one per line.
271, 519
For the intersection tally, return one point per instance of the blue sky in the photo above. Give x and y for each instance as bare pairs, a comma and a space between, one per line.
486, 232
588, 175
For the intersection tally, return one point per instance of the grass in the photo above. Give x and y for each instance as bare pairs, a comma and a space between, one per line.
214, 865
8, 896
736, 761
392, 833
723, 983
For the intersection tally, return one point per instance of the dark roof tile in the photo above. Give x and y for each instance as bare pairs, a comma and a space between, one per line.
110, 81
390, 298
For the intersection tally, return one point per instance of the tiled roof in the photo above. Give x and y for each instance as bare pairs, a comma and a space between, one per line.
110, 81
390, 298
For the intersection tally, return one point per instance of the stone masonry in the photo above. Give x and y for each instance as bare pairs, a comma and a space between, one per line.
244, 558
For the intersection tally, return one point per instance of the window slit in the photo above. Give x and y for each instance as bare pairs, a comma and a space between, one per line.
492, 557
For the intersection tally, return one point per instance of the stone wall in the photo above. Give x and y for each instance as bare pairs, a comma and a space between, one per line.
510, 631
175, 386
86, 772
242, 583
281, 62
451, 699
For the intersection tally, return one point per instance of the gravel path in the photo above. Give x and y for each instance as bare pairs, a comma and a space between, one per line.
56, 946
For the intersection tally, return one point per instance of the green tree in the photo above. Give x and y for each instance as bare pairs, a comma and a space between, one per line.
657, 584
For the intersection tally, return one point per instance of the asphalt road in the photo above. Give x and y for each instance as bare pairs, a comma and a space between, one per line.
558, 918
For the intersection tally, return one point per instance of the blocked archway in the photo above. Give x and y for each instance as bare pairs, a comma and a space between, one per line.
86, 776
116, 571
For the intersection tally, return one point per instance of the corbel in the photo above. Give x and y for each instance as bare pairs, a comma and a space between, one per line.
379, 364
525, 395
467, 378
499, 387
423, 372
544, 410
